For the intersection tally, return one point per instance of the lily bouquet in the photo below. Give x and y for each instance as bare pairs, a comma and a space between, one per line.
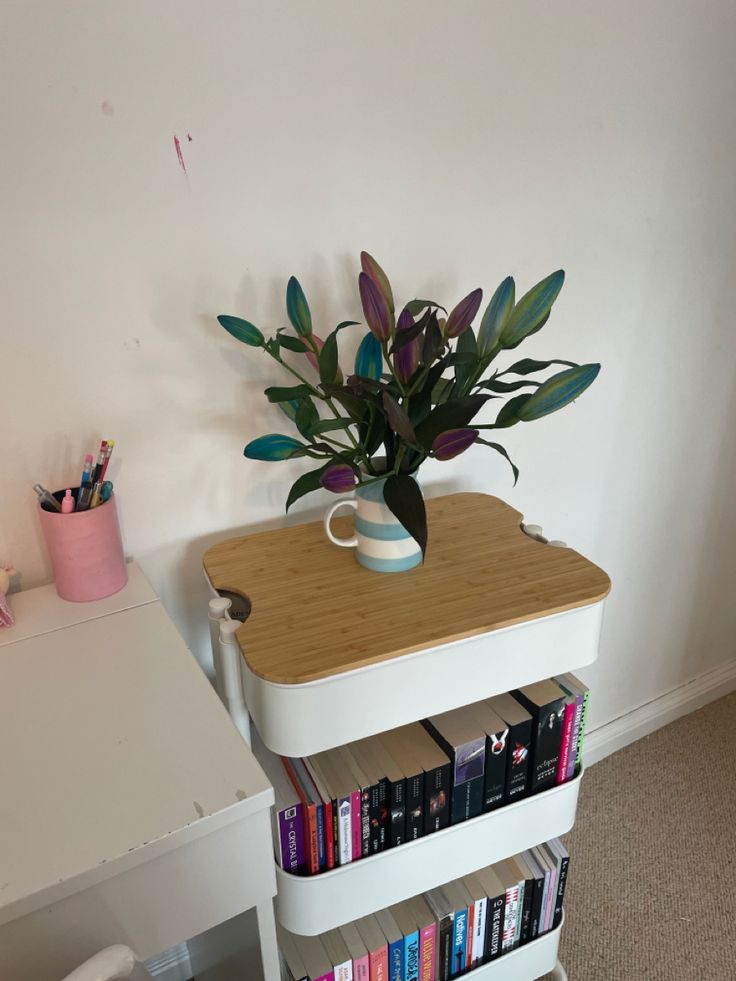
419, 381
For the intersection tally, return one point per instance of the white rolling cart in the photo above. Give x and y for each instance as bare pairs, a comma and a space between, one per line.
332, 652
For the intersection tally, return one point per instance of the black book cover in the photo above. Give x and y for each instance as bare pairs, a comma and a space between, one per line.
494, 927
397, 812
444, 956
546, 704
517, 760
365, 821
467, 765
415, 806
375, 818
437, 798
537, 899
526, 911
561, 891
495, 778
384, 817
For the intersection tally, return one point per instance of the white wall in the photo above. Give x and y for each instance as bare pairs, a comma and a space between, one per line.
458, 143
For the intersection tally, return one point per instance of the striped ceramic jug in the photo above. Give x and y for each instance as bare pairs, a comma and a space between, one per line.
381, 542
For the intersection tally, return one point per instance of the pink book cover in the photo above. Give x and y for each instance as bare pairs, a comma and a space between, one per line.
378, 964
566, 742
427, 944
355, 820
330, 976
361, 968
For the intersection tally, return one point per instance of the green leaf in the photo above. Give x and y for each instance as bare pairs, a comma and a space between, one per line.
292, 343
407, 335
372, 431
273, 447
330, 426
496, 315
442, 389
433, 340
242, 330
532, 310
369, 359
467, 350
298, 308
278, 394
527, 366
398, 420
305, 484
558, 391
449, 415
493, 385
351, 402
509, 414
416, 306
290, 408
306, 417
499, 449
404, 499
328, 360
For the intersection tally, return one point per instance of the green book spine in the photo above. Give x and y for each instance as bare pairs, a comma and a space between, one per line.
583, 720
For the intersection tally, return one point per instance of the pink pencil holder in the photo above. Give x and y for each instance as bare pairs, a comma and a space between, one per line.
86, 551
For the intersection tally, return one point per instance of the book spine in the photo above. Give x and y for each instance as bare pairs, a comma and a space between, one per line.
479, 932
291, 839
344, 830
344, 971
397, 812
378, 963
375, 818
365, 821
560, 891
459, 942
415, 806
321, 838
356, 826
517, 766
536, 907
496, 765
437, 798
411, 957
583, 720
526, 912
361, 968
427, 952
444, 948
575, 736
565, 741
549, 910
469, 937
384, 815
396, 960
329, 835
511, 909
494, 928
330, 976
519, 916
546, 739
310, 821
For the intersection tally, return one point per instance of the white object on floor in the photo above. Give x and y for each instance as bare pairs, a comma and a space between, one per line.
131, 809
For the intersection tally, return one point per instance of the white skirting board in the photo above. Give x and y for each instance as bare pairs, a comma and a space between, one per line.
172, 965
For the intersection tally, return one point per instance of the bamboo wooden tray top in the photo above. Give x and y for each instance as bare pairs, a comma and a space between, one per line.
316, 612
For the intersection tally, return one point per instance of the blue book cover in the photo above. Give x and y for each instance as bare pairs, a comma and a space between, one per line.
411, 957
321, 851
459, 942
396, 960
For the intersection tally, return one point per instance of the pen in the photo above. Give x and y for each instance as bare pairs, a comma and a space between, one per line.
45, 498
108, 454
96, 490
100, 462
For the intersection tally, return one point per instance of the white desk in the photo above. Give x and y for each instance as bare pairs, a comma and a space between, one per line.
131, 811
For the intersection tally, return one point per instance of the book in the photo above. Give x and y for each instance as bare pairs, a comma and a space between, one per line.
399, 750
364, 793
396, 794
329, 829
496, 755
437, 783
287, 816
395, 939
550, 885
568, 722
372, 936
519, 742
573, 686
406, 922
461, 902
315, 958
558, 850
315, 797
309, 811
363, 753
527, 878
339, 955
480, 903
496, 893
511, 913
293, 967
538, 892
545, 701
460, 735
357, 950
342, 786
444, 914
427, 937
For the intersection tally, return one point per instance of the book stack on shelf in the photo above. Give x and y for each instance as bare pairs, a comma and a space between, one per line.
443, 933
376, 793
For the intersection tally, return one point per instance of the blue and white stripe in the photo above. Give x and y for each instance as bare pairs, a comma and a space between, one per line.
384, 545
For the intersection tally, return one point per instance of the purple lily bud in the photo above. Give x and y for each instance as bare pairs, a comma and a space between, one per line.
453, 443
461, 316
377, 314
339, 478
379, 277
407, 358
312, 359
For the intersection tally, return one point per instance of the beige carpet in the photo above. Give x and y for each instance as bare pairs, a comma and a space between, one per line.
652, 888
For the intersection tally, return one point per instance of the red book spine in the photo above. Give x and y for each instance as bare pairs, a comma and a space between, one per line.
310, 821
568, 720
329, 837
356, 824
469, 937
378, 964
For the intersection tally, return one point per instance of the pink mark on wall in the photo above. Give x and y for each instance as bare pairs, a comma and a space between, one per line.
107, 108
179, 154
